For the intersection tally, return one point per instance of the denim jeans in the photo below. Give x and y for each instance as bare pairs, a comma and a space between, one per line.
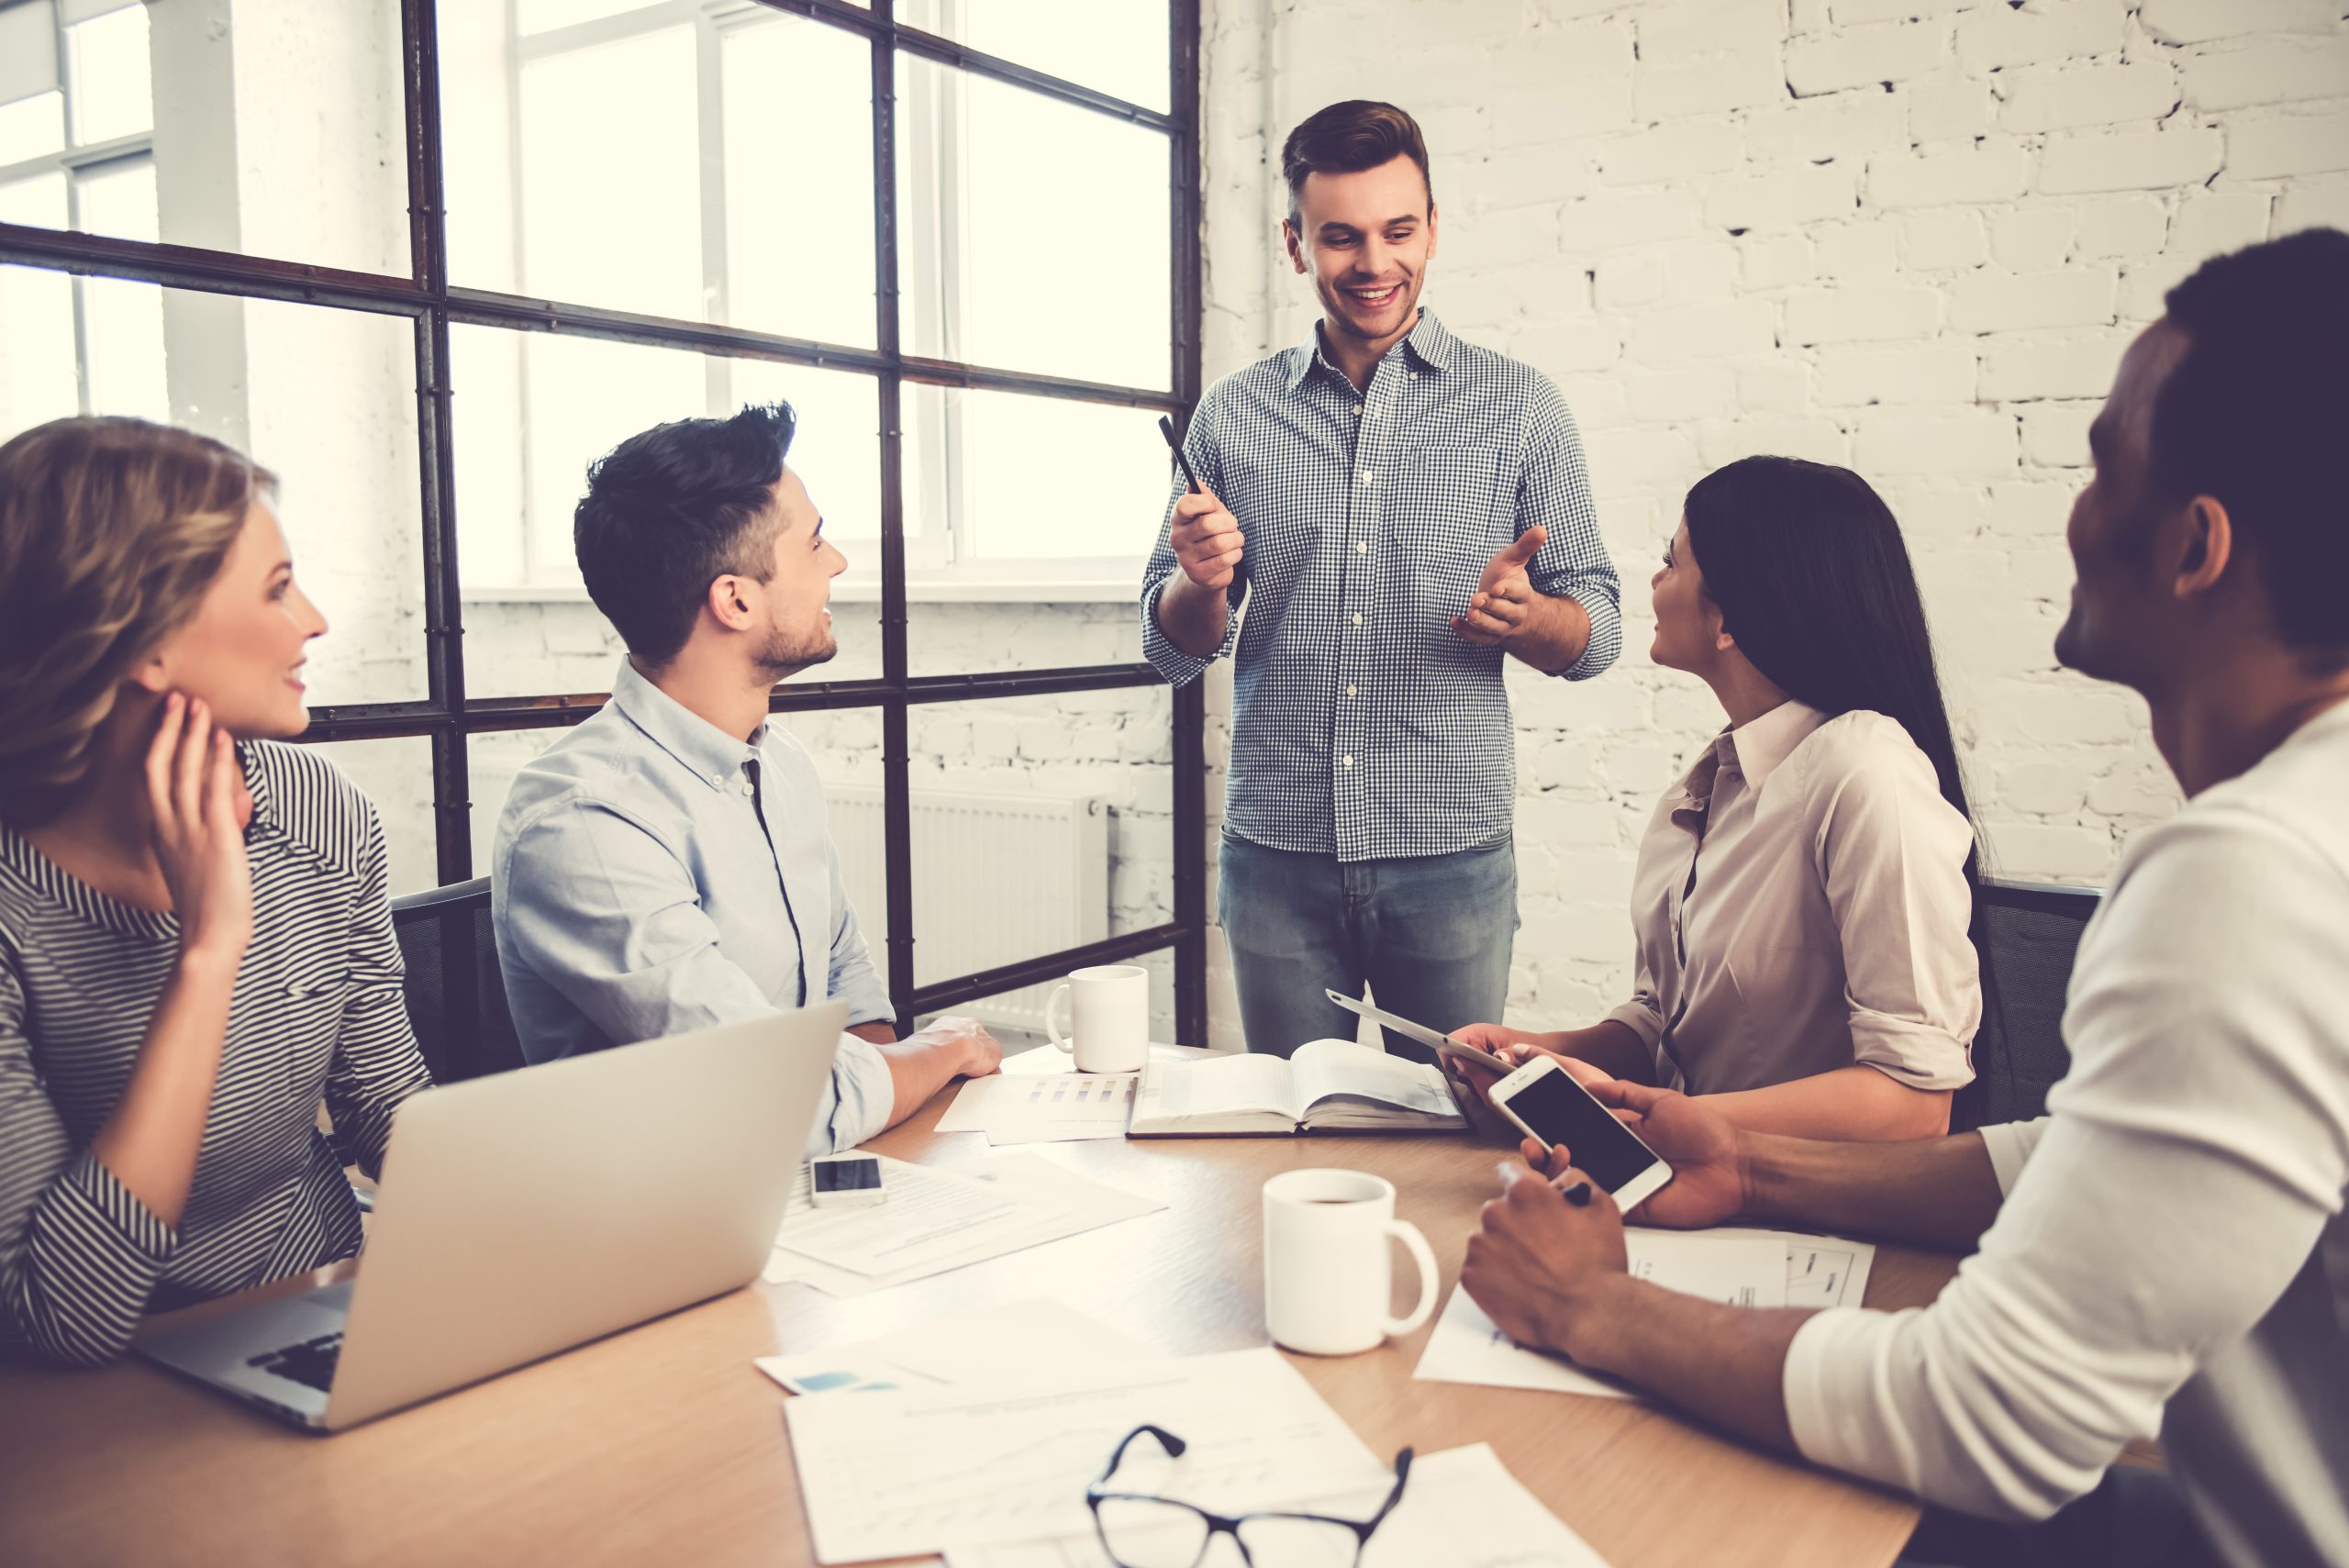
1430, 934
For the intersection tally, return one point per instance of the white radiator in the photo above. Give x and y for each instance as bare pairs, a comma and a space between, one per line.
998, 878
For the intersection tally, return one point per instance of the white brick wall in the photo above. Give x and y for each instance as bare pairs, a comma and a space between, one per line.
1913, 235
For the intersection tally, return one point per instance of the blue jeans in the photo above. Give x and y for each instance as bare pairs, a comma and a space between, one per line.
1432, 934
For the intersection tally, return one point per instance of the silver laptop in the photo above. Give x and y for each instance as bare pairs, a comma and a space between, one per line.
523, 1214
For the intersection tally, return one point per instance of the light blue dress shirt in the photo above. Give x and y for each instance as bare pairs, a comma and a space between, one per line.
635, 895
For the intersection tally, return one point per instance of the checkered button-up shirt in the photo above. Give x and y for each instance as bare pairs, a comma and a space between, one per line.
1363, 725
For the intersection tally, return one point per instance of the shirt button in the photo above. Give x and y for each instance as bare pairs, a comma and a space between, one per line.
1350, 691
1365, 477
750, 788
1361, 549
1357, 410
1349, 762
1357, 617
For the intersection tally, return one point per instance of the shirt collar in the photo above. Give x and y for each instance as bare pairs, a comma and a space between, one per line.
1427, 344
1764, 742
1758, 746
708, 752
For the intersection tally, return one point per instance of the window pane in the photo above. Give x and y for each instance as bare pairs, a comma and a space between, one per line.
544, 16
1040, 824
113, 90
39, 378
1004, 196
1036, 497
533, 411
611, 212
287, 138
736, 187
31, 128
1120, 49
397, 777
798, 164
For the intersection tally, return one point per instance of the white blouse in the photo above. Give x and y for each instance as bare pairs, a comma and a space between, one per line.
1800, 905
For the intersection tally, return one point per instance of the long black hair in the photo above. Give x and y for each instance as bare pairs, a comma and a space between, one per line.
1807, 567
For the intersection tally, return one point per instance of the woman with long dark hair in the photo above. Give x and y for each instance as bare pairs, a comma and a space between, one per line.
1804, 895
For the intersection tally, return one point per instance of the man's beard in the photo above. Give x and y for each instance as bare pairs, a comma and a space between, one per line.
787, 654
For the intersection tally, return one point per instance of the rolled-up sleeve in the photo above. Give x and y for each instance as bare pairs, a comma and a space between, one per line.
1180, 668
602, 910
2190, 1162
79, 1255
1891, 854
1554, 492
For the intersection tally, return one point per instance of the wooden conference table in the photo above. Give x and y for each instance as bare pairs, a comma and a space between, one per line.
665, 1445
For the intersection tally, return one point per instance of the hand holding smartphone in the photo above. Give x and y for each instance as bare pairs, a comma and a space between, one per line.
1544, 1100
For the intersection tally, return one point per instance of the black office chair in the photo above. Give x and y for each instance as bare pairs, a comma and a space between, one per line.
2030, 932
456, 997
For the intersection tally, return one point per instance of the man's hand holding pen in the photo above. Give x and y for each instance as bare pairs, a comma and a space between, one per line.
1206, 539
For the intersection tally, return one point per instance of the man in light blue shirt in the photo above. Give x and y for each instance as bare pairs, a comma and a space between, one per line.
665, 865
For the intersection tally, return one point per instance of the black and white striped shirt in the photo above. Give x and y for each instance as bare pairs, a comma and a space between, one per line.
317, 1010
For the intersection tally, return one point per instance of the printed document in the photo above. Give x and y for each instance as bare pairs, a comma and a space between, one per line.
935, 1219
1741, 1266
1043, 1108
1461, 1509
1039, 1338
915, 1471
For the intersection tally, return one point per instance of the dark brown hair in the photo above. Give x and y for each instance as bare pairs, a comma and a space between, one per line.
1348, 138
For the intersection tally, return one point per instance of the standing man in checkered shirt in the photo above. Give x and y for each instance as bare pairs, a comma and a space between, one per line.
1396, 511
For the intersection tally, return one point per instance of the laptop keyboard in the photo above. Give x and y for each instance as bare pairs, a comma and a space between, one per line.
310, 1363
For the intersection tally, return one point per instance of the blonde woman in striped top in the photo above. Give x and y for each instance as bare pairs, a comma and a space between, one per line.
196, 945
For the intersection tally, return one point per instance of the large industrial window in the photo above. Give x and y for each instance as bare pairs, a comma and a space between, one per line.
428, 261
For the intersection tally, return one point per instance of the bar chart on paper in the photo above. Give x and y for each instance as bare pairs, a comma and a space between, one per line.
1043, 1108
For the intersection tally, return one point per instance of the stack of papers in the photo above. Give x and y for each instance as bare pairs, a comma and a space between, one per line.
1461, 1509
935, 1219
1730, 1263
1005, 1461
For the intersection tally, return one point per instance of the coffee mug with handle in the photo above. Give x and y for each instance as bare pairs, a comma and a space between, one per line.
1109, 1004
1327, 1268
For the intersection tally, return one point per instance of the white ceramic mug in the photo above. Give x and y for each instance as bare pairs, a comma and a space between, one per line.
1328, 1269
1110, 1007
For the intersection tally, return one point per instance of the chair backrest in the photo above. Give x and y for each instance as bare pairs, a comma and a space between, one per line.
2030, 932
456, 997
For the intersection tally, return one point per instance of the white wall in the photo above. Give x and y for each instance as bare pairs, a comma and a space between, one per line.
1908, 235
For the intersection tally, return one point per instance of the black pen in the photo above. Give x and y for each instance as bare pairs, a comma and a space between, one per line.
1166, 429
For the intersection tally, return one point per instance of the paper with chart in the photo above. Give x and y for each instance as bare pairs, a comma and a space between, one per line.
1006, 1461
1043, 1108
1741, 1271
937, 1220
1461, 1509
1039, 1338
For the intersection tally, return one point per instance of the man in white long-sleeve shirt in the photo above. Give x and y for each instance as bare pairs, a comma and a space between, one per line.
2165, 1251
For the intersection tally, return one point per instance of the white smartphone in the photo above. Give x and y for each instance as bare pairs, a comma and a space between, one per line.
1543, 1099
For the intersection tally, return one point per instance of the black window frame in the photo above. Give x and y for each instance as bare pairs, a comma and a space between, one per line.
449, 718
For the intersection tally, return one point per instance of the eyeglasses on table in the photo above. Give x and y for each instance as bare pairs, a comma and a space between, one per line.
1142, 1529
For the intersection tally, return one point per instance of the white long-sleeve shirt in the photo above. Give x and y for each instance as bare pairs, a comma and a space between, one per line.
2175, 1255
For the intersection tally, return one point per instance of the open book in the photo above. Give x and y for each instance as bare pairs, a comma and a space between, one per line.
1328, 1085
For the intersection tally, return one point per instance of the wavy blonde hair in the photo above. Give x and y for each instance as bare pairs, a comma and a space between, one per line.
110, 532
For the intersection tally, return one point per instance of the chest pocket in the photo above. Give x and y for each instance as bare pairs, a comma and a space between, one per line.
1450, 508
